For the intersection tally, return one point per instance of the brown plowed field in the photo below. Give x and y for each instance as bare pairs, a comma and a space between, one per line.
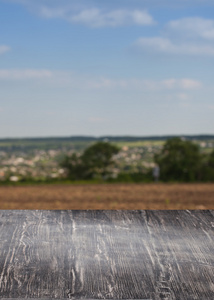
108, 196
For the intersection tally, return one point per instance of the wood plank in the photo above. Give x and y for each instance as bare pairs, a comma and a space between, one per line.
107, 255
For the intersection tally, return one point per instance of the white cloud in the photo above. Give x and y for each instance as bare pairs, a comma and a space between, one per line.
184, 84
89, 13
94, 17
188, 36
77, 81
142, 84
167, 46
24, 74
4, 49
191, 28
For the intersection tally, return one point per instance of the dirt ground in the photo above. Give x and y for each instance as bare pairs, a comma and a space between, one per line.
108, 196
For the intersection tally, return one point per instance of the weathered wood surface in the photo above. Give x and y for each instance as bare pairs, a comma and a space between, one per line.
107, 254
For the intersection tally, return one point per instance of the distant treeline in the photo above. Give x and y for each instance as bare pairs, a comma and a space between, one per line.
81, 142
101, 138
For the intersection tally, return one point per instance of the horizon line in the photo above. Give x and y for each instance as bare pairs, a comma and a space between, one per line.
108, 136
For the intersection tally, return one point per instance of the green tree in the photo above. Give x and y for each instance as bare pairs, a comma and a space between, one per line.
95, 162
73, 165
211, 160
208, 168
98, 159
179, 160
211, 166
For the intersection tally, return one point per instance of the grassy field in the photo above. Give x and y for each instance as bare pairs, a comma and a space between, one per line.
108, 196
139, 144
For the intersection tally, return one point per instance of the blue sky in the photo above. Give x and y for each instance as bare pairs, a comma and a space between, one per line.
106, 67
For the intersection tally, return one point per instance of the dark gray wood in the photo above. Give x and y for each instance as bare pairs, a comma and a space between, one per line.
107, 255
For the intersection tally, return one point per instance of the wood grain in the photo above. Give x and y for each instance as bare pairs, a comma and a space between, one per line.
107, 255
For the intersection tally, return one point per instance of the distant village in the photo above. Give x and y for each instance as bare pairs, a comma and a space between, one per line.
43, 165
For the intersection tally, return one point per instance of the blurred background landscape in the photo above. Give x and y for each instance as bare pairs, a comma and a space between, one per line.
106, 104
107, 173
189, 159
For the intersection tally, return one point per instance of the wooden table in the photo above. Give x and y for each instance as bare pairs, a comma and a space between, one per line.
107, 254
